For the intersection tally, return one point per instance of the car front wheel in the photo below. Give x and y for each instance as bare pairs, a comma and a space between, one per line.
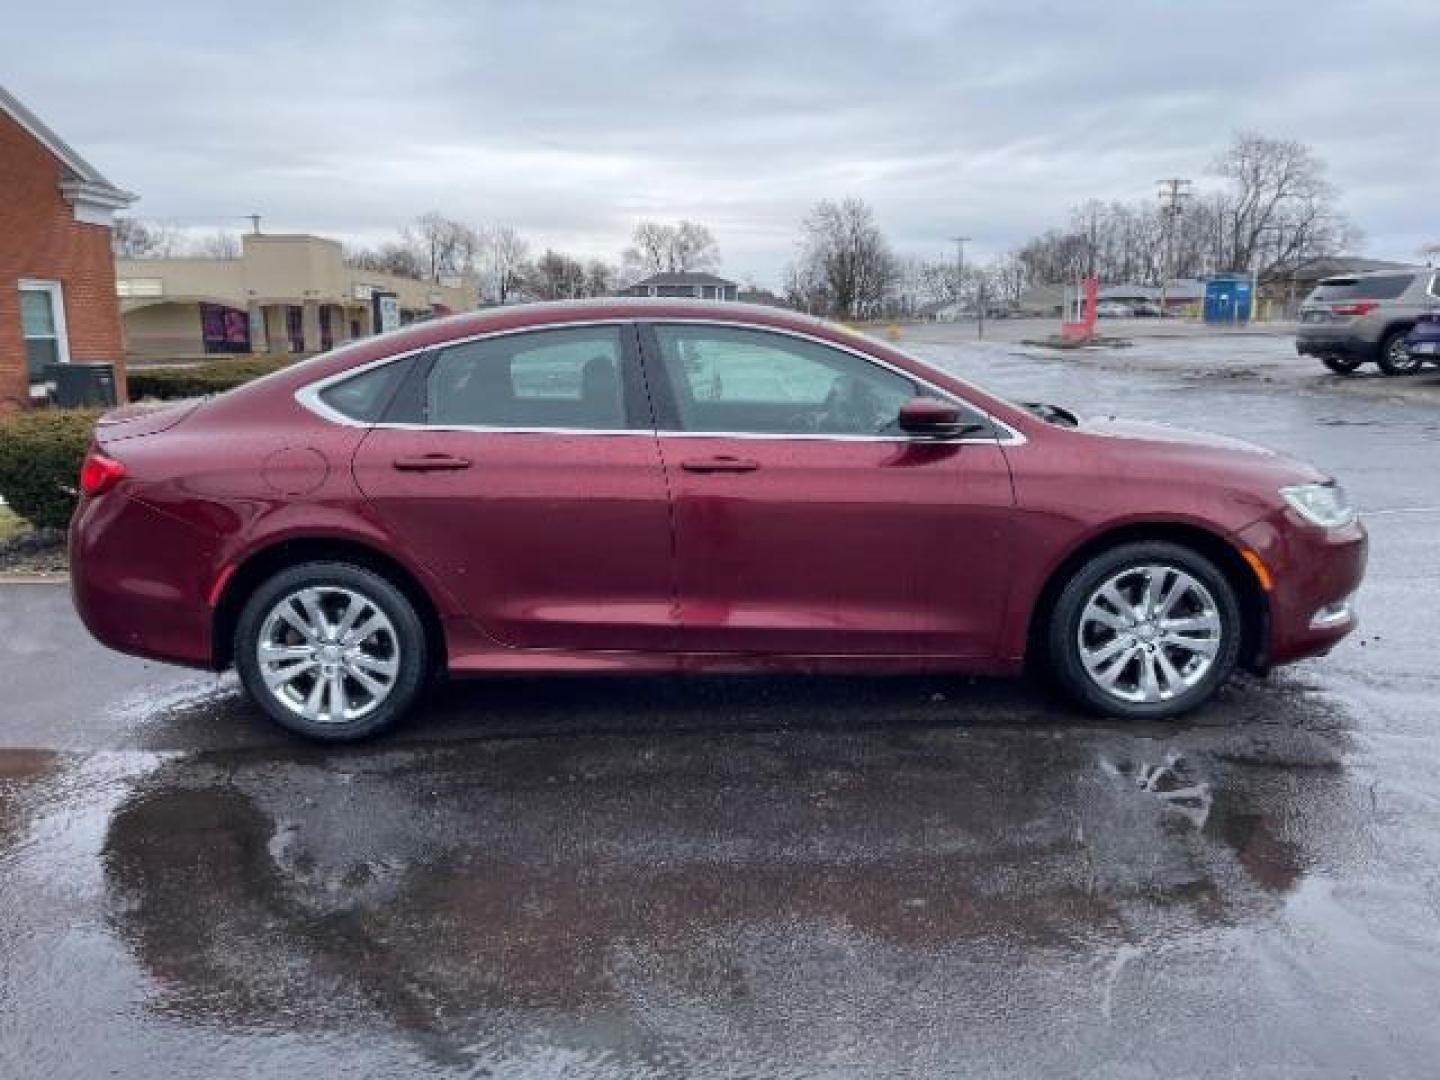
1145, 631
331, 651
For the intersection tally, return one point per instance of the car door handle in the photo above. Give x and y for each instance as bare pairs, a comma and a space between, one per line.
431, 463
722, 463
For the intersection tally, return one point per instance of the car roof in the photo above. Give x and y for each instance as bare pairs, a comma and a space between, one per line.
1361, 275
433, 333
438, 332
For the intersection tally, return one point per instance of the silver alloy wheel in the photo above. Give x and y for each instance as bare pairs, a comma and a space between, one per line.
1400, 358
1149, 633
328, 654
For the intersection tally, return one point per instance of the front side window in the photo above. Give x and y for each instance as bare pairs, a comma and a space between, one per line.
726, 379
563, 378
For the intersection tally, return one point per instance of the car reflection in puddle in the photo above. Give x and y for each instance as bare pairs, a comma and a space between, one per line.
1273, 863
507, 888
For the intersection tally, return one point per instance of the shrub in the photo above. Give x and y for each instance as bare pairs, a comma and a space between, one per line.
170, 383
40, 457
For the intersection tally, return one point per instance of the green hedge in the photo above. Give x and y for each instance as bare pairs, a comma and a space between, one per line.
211, 377
40, 457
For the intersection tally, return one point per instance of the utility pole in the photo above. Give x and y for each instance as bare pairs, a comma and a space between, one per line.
1173, 193
960, 242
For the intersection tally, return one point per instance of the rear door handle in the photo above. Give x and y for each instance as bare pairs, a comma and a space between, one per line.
722, 463
431, 463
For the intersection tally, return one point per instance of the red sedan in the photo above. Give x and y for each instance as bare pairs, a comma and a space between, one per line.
631, 486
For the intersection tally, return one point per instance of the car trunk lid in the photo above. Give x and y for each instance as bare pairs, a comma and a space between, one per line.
146, 418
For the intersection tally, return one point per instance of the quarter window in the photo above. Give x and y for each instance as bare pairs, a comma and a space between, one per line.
566, 378
726, 379
364, 396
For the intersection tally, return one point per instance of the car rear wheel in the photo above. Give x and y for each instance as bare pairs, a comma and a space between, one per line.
1342, 365
331, 651
1395, 358
1145, 631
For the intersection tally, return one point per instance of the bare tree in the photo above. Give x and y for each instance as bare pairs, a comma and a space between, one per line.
218, 245
1274, 210
1282, 208
502, 257
557, 276
444, 247
133, 238
392, 257
844, 256
657, 248
600, 278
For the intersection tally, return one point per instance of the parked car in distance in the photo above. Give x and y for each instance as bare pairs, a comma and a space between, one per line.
1423, 341
1145, 309
1113, 309
672, 486
1353, 319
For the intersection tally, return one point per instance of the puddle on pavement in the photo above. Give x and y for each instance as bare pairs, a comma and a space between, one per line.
483, 897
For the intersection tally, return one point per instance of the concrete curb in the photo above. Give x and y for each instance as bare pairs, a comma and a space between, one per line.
35, 579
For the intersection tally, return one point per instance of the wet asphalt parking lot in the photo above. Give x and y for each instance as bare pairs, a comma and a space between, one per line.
763, 877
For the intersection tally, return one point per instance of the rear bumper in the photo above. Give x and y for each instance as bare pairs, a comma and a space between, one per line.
1316, 573
139, 578
1319, 344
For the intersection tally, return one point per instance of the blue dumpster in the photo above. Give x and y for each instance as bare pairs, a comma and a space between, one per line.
1228, 299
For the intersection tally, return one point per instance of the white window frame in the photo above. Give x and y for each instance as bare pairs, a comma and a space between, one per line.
62, 333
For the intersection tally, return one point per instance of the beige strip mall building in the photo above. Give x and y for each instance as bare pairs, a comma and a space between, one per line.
284, 294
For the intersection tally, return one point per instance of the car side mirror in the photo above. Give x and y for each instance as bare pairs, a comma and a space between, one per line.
933, 417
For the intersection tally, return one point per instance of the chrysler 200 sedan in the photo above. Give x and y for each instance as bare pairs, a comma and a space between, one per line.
658, 486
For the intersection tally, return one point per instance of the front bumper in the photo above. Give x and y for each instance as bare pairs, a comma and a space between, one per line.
1315, 574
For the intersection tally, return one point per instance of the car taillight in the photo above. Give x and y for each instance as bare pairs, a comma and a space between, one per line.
99, 474
1354, 311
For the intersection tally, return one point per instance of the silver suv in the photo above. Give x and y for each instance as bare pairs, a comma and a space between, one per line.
1355, 318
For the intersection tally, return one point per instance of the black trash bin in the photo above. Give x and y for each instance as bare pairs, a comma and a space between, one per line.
82, 386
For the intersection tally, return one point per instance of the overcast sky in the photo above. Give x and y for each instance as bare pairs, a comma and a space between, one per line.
572, 121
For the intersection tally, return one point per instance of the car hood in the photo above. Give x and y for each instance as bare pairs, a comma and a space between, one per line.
1227, 456
1164, 433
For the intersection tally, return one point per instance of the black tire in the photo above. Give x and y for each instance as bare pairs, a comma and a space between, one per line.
1395, 358
1342, 365
1063, 637
402, 643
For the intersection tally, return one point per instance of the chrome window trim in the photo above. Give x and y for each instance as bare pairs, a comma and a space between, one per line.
308, 396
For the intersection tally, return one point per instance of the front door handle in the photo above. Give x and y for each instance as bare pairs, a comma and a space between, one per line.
721, 463
431, 463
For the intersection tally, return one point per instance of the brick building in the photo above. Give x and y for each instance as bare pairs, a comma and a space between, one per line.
57, 273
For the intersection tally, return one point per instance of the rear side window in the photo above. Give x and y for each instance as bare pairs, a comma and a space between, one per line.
565, 378
1381, 287
364, 397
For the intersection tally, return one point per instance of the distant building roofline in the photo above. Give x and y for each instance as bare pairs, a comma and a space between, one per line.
684, 277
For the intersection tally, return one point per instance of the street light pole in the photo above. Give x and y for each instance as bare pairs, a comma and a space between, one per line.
1172, 191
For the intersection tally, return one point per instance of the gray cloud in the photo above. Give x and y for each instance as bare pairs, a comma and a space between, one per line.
571, 121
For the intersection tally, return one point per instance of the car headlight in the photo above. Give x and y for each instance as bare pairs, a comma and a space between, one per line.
1321, 504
